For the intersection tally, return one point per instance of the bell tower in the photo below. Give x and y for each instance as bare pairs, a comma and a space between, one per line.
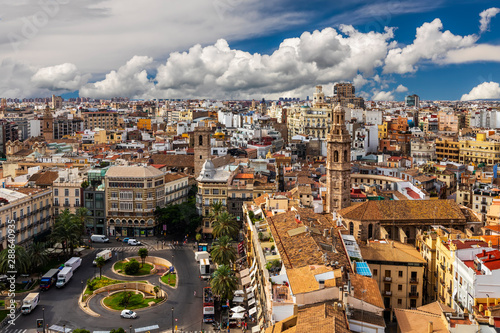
202, 147
338, 163
48, 124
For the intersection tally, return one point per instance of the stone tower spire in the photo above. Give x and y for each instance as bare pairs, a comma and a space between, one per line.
338, 165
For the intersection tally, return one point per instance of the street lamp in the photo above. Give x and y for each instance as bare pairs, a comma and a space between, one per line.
82, 290
173, 261
43, 317
130, 328
172, 318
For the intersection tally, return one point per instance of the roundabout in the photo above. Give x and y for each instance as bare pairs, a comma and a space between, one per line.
130, 300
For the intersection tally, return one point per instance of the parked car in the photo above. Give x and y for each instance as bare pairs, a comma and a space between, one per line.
133, 242
128, 314
125, 240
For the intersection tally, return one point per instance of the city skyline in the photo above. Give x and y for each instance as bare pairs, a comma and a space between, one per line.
247, 49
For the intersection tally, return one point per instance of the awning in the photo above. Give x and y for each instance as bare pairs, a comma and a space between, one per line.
252, 288
244, 272
250, 295
245, 280
253, 280
249, 289
238, 315
238, 308
257, 211
251, 302
238, 299
252, 311
239, 293
252, 273
253, 264
256, 329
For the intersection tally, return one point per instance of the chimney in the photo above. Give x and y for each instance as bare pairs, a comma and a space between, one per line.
490, 244
430, 327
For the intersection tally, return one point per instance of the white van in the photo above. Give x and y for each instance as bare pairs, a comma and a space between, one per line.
99, 239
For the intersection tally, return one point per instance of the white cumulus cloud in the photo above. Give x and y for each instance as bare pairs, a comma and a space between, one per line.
320, 57
129, 80
60, 77
401, 89
430, 43
383, 96
486, 16
486, 90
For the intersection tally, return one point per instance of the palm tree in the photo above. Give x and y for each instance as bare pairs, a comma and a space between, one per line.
82, 216
223, 253
143, 253
66, 230
21, 260
156, 289
215, 209
99, 262
225, 225
224, 282
37, 255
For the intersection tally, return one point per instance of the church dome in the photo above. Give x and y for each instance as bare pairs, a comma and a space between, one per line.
208, 169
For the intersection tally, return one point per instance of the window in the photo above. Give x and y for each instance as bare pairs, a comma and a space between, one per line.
207, 191
400, 287
138, 195
215, 191
66, 202
114, 205
77, 192
56, 192
14, 216
66, 192
375, 272
400, 273
400, 301
138, 206
114, 194
126, 206
21, 213
150, 195
77, 202
126, 195
207, 202
387, 273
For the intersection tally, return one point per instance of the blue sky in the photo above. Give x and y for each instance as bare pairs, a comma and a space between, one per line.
231, 49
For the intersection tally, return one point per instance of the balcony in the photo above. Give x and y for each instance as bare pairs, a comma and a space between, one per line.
55, 204
413, 280
413, 294
441, 280
67, 204
450, 291
387, 279
387, 293
442, 266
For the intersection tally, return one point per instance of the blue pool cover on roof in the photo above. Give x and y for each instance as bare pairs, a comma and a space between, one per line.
363, 269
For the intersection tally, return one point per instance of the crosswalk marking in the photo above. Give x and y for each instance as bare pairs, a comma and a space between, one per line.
15, 330
150, 248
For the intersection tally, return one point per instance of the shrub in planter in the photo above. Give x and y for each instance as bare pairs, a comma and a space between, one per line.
132, 267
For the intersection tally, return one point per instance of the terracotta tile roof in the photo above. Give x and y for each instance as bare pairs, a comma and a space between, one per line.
170, 177
436, 307
321, 318
308, 247
244, 176
302, 280
260, 200
396, 210
391, 251
174, 161
372, 294
415, 321
44, 178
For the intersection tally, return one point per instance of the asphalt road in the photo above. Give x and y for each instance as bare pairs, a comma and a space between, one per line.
61, 305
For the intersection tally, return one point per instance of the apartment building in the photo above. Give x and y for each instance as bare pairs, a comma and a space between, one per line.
67, 191
240, 189
447, 149
30, 208
212, 188
481, 150
399, 271
132, 194
66, 125
448, 121
102, 119
176, 188
422, 151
